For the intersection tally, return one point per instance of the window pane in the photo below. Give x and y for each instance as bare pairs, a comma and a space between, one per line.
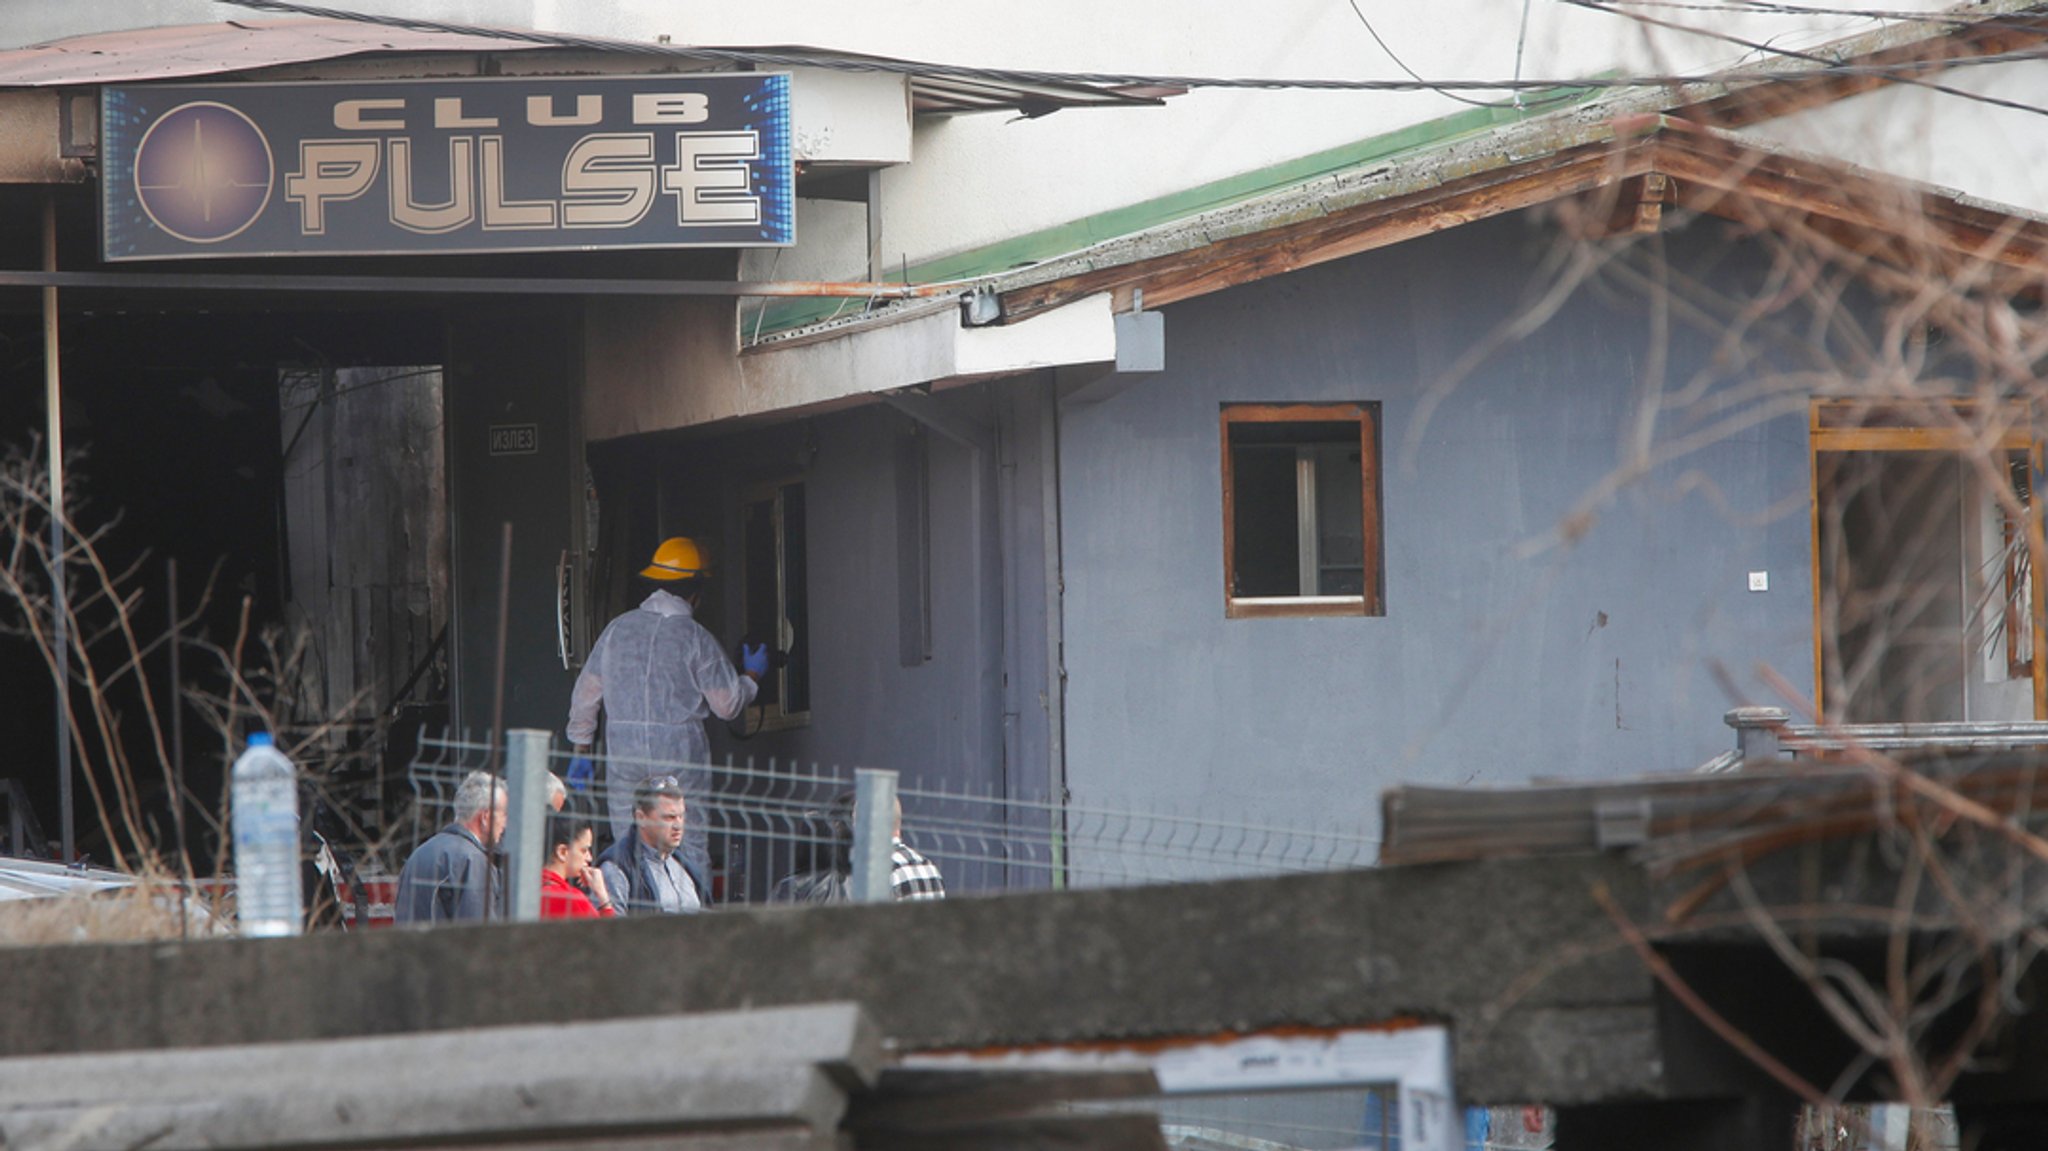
1273, 466
1267, 538
1340, 519
1298, 433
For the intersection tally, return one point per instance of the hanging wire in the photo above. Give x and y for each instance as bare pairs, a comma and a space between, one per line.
1516, 102
1823, 62
1521, 42
1953, 18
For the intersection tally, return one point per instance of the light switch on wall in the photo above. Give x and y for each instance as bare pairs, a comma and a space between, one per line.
1759, 581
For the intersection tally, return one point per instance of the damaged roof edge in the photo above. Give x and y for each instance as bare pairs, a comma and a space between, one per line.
1019, 255
242, 46
191, 50
1459, 145
1476, 180
1395, 172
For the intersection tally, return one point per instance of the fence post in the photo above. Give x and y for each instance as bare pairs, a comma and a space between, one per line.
1756, 732
874, 833
526, 806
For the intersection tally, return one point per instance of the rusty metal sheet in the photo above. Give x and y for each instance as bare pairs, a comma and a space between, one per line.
208, 49
242, 45
31, 140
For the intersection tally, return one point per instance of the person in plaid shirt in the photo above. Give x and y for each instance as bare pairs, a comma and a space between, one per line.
911, 875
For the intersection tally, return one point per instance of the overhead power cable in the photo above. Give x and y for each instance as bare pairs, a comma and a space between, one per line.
1417, 76
1950, 17
1614, 9
1522, 40
846, 63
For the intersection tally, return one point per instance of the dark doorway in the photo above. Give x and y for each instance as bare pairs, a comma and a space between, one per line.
1926, 592
176, 431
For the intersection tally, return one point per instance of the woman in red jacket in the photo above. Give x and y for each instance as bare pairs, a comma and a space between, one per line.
568, 874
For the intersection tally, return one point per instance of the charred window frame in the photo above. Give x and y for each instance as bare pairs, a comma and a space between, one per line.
775, 595
2016, 582
1301, 510
2006, 610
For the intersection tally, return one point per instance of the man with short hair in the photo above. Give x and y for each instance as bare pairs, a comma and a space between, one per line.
647, 872
451, 878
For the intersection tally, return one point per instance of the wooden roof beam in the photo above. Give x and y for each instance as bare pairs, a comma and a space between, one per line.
1653, 161
1241, 259
1710, 170
1975, 38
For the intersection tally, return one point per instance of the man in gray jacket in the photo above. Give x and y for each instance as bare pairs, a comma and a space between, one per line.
647, 872
451, 877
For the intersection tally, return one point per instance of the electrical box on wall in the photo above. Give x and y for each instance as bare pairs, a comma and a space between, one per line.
1141, 341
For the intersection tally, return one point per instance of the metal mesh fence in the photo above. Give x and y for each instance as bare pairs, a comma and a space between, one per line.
778, 832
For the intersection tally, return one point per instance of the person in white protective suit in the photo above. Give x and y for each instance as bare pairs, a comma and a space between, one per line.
657, 673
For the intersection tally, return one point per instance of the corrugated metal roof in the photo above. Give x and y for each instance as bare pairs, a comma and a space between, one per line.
38, 879
945, 95
210, 49
937, 93
247, 45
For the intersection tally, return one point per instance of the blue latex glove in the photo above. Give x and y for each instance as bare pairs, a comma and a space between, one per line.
754, 659
581, 770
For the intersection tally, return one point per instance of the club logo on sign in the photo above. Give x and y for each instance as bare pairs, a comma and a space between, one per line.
379, 168
203, 172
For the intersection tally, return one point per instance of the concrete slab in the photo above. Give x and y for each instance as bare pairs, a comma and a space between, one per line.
1515, 955
293, 1107
1064, 1132
836, 1038
911, 1097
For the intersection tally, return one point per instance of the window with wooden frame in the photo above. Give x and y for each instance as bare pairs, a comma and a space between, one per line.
1893, 482
777, 597
1301, 510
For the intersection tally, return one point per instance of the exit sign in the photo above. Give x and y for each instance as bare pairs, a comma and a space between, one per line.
515, 439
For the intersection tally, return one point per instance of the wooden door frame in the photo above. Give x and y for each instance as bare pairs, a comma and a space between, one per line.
1839, 425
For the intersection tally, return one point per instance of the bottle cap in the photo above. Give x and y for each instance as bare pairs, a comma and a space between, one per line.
260, 739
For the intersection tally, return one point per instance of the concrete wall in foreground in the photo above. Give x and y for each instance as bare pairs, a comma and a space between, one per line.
1359, 948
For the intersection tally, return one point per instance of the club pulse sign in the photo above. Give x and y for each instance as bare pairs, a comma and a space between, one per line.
492, 165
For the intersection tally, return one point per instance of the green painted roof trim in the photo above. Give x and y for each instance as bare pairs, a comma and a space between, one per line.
1048, 243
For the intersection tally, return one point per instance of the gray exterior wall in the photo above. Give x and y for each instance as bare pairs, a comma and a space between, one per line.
1493, 663
973, 716
1505, 652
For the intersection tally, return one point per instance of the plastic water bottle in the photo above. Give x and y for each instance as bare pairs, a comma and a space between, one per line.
265, 812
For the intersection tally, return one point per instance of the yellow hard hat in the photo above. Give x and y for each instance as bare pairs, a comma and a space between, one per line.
676, 558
